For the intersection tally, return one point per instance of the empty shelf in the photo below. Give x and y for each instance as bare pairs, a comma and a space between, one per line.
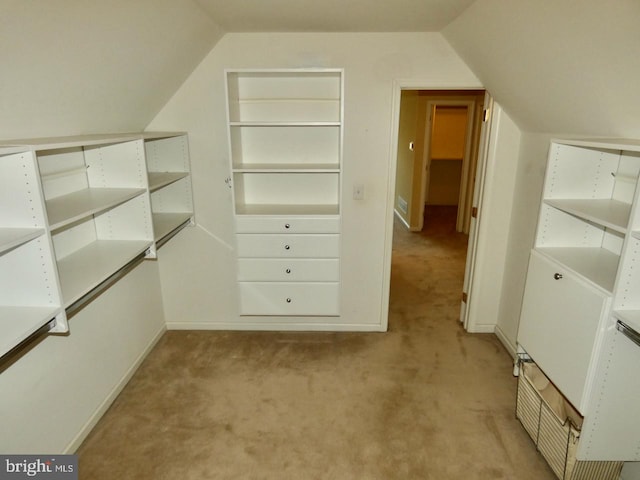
162, 179
14, 237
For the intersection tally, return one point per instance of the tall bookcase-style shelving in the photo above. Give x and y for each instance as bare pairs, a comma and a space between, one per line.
77, 212
580, 316
285, 138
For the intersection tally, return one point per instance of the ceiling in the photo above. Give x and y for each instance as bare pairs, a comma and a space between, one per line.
333, 15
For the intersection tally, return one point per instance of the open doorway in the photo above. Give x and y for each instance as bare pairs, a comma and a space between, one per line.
438, 138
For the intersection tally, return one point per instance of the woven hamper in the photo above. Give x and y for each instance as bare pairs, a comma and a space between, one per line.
554, 426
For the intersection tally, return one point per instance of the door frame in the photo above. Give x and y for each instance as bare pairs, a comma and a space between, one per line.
464, 207
398, 86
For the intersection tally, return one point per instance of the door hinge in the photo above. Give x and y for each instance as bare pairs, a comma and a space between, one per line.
474, 212
485, 115
464, 297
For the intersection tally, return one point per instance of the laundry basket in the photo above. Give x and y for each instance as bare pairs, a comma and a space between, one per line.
554, 426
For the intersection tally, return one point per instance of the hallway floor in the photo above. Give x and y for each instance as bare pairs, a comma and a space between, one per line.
424, 401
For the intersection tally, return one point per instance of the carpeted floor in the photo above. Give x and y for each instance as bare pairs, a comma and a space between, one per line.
424, 401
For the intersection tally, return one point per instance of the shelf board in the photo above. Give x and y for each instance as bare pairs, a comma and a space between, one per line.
18, 322
75, 206
630, 317
597, 265
14, 237
165, 223
158, 180
287, 210
284, 124
86, 268
287, 168
605, 212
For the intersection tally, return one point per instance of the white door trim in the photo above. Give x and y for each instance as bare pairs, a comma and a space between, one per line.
398, 86
466, 160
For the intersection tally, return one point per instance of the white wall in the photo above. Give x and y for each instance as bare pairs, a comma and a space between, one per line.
493, 224
405, 167
52, 396
371, 62
556, 65
529, 179
71, 67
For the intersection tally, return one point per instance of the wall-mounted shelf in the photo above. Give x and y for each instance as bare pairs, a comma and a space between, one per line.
285, 138
76, 211
583, 277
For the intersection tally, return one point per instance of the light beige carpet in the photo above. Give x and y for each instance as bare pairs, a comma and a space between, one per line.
424, 401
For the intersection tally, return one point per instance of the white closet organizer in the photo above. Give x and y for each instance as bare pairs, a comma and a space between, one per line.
169, 183
285, 139
30, 298
581, 308
76, 214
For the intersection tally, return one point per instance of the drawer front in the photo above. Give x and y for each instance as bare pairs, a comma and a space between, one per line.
257, 298
288, 270
287, 224
288, 246
560, 325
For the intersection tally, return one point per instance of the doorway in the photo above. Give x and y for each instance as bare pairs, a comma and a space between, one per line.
438, 137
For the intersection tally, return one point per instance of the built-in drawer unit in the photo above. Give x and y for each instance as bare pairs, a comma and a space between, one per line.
288, 246
560, 332
288, 270
287, 224
284, 298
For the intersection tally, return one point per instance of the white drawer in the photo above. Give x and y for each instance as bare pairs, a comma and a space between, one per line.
288, 270
288, 246
287, 224
289, 298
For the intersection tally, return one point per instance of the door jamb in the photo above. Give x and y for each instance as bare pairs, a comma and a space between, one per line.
398, 86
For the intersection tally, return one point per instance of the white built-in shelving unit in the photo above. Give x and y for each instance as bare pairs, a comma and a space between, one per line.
75, 211
285, 139
581, 310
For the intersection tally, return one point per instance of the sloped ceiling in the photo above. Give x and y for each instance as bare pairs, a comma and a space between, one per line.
559, 66
78, 66
334, 15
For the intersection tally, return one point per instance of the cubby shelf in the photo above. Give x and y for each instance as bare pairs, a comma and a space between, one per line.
17, 323
597, 265
285, 139
14, 237
88, 267
166, 223
158, 180
287, 168
608, 213
78, 212
75, 206
583, 278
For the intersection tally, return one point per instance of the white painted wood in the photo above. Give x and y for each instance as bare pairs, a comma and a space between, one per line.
165, 223
288, 270
610, 432
562, 332
287, 224
158, 180
288, 246
14, 237
86, 268
271, 209
173, 197
605, 212
596, 265
83, 203
18, 322
288, 168
280, 298
285, 145
586, 234
287, 189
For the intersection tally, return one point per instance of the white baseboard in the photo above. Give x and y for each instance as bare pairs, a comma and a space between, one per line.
404, 222
511, 348
284, 327
484, 328
73, 446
